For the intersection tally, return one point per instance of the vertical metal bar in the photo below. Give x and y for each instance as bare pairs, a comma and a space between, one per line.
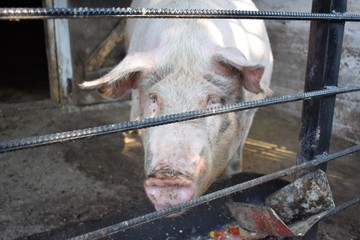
323, 63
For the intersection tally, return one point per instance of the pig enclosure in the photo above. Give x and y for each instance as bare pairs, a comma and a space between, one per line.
92, 180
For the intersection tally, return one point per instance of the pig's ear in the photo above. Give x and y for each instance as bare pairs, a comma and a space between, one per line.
231, 62
123, 77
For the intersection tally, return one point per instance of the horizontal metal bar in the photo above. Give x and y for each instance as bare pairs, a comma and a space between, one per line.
71, 13
37, 141
215, 195
343, 206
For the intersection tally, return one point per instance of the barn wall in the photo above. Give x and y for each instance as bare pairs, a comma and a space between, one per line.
289, 41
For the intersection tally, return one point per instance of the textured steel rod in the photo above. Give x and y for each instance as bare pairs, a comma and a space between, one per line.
37, 141
212, 196
343, 206
85, 12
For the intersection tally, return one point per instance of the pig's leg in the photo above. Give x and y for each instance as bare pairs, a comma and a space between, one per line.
235, 164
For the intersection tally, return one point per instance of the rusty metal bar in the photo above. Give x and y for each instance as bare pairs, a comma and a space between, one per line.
343, 206
86, 12
37, 141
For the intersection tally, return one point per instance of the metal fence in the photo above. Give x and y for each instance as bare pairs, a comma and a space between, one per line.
326, 35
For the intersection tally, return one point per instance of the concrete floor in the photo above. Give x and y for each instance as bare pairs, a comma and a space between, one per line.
47, 187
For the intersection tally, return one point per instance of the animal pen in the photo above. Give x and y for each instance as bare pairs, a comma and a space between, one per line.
323, 63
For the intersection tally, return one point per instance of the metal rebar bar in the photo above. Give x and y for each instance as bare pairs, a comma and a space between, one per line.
103, 232
86, 12
37, 141
343, 206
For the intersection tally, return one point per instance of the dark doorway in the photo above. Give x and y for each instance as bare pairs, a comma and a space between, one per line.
23, 69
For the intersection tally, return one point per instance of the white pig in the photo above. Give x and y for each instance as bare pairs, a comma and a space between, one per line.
178, 65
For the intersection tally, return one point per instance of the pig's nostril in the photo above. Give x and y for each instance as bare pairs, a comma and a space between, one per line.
151, 175
164, 173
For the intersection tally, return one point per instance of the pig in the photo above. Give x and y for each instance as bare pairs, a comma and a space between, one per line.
179, 65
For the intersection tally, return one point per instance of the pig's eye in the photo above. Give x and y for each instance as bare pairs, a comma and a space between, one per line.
214, 102
153, 103
153, 98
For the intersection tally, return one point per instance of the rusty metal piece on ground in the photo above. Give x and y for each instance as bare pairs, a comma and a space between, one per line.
305, 197
291, 211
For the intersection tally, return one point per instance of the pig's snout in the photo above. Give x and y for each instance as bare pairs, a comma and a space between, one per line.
166, 187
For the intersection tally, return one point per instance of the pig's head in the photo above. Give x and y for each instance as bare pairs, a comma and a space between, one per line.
183, 159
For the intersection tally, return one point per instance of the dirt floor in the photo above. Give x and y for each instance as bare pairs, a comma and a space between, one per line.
47, 187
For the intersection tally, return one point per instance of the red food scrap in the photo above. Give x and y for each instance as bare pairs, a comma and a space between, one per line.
232, 233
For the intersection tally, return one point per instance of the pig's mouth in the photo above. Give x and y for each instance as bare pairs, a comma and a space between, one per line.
167, 187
